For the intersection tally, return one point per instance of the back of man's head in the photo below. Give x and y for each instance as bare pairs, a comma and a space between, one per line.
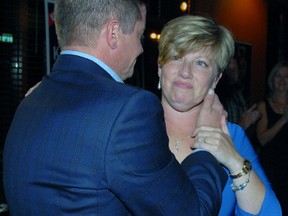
78, 22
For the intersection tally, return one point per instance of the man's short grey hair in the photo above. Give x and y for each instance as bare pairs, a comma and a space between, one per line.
79, 22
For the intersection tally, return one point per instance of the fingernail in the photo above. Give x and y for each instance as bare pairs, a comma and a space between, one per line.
211, 92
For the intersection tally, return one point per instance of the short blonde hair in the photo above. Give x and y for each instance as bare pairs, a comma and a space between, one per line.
187, 33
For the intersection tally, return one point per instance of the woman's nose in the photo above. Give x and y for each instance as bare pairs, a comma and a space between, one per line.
186, 70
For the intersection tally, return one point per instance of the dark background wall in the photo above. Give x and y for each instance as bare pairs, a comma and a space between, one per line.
259, 23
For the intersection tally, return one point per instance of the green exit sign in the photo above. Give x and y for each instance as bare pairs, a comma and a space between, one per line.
6, 38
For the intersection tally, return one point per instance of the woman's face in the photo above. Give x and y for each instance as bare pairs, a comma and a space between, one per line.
281, 79
186, 81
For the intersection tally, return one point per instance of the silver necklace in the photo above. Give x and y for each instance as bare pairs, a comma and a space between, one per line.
178, 142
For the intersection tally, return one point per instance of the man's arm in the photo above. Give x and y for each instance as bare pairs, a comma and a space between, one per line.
204, 172
145, 175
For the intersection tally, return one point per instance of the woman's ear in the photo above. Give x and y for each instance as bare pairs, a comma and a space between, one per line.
216, 80
112, 33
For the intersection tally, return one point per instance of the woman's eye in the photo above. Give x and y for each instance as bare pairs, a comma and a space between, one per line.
201, 63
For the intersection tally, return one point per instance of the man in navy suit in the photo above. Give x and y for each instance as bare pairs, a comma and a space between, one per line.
84, 143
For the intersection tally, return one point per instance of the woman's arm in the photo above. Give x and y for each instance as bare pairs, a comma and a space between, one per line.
219, 143
254, 194
252, 189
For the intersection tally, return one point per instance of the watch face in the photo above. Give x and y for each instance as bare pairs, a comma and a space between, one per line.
247, 165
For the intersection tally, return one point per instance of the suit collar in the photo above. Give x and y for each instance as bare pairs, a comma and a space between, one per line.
76, 63
96, 60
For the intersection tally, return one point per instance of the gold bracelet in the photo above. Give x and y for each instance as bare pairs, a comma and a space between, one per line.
247, 167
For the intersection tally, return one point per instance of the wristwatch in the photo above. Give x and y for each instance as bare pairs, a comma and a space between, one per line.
247, 167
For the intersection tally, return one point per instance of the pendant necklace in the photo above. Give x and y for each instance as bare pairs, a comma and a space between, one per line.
279, 106
178, 142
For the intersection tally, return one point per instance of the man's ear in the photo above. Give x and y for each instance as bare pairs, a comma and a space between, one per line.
112, 33
216, 80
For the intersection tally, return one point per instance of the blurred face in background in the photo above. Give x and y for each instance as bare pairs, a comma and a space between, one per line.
232, 72
281, 79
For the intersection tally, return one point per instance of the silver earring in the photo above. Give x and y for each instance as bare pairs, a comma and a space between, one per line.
159, 85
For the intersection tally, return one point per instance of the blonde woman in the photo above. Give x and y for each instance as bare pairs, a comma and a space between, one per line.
193, 52
272, 132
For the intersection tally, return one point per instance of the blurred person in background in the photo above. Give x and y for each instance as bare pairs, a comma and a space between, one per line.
272, 132
230, 91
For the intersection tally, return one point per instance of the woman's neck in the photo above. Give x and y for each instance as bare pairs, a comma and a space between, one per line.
180, 124
280, 97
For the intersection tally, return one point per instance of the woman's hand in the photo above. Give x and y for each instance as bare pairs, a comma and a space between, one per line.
212, 111
249, 117
32, 89
212, 133
219, 143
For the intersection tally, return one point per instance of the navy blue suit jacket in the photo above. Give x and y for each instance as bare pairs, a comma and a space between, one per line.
83, 144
